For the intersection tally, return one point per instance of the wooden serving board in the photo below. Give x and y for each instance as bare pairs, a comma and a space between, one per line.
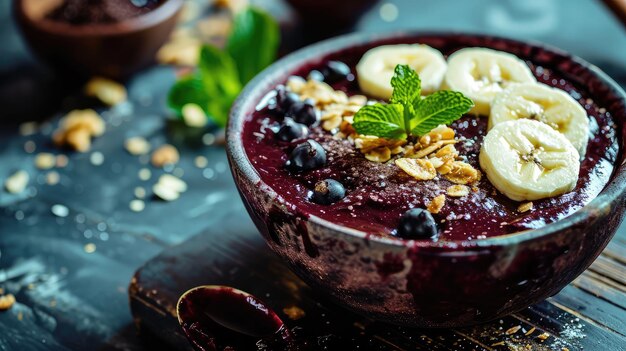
589, 314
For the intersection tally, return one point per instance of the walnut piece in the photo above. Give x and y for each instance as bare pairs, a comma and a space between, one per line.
17, 182
458, 190
419, 169
461, 173
137, 146
379, 154
164, 155
436, 204
107, 91
76, 129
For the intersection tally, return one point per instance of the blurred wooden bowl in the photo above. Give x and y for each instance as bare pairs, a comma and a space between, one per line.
114, 50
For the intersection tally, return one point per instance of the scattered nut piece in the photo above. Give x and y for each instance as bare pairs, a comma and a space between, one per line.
78, 139
525, 207
201, 161
140, 192
137, 146
17, 182
6, 301
193, 115
543, 336
419, 169
173, 183
169, 187
458, 190
137, 205
369, 143
77, 128
294, 312
462, 173
45, 160
513, 330
428, 150
436, 204
331, 120
164, 155
165, 193
381, 154
182, 49
52, 178
144, 174
90, 248
108, 91
84, 119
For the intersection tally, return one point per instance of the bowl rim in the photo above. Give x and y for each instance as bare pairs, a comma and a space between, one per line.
160, 14
612, 192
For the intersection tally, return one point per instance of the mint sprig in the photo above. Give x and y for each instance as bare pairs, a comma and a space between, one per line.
221, 74
408, 114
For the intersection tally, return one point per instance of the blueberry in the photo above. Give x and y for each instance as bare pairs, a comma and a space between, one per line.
305, 113
285, 99
335, 71
328, 191
305, 156
417, 223
291, 130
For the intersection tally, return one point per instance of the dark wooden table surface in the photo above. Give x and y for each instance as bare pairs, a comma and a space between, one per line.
70, 274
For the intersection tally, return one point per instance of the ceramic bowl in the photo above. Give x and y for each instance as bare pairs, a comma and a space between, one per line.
113, 50
422, 283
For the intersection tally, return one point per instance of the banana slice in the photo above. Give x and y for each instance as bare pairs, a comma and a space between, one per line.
376, 67
528, 160
481, 73
543, 103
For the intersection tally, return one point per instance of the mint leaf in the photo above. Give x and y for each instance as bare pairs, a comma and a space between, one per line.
406, 85
186, 90
218, 72
191, 89
214, 87
380, 120
409, 114
442, 107
253, 42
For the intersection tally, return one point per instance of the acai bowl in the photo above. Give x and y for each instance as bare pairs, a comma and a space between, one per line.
432, 226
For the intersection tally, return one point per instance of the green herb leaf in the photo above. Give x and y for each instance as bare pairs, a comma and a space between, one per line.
409, 114
186, 90
221, 74
384, 121
406, 85
253, 42
218, 72
442, 107
214, 87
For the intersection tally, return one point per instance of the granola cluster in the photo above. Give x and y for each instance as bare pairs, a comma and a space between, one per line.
433, 155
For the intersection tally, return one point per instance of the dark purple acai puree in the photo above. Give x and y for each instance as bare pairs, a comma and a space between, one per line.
378, 194
99, 11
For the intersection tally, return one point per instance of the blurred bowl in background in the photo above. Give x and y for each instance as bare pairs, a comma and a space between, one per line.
116, 49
